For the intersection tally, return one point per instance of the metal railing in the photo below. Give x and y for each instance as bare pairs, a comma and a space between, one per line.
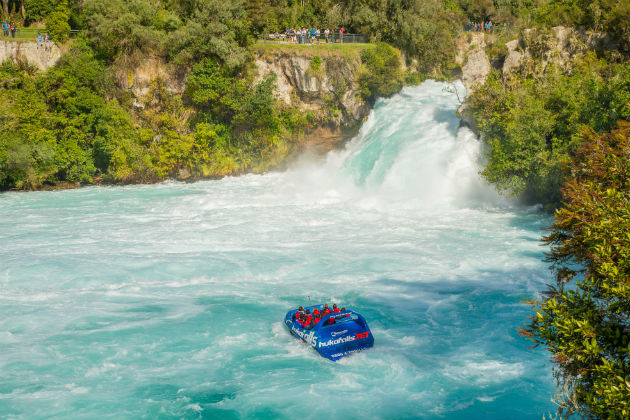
294, 38
495, 28
29, 34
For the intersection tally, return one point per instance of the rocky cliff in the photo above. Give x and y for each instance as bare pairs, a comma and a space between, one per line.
322, 84
532, 53
43, 57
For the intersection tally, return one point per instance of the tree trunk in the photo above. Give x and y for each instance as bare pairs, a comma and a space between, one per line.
22, 9
5, 8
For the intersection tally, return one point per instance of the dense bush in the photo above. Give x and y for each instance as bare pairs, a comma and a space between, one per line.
383, 74
601, 15
216, 29
532, 123
57, 23
121, 27
423, 30
583, 319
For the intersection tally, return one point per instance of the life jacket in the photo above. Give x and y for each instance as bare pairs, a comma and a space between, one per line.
317, 320
336, 310
327, 311
315, 311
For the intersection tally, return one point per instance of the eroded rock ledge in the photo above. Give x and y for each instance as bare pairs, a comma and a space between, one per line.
533, 53
43, 57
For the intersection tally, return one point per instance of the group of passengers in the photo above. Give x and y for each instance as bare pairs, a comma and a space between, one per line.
43, 39
9, 29
308, 320
486, 26
309, 36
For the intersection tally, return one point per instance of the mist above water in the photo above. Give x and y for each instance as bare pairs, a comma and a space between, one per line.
166, 301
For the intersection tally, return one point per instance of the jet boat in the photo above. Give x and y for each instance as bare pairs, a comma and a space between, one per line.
336, 335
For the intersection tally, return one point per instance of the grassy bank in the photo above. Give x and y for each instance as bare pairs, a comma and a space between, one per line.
311, 50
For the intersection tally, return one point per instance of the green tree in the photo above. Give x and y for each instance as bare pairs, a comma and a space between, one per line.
217, 29
57, 23
584, 320
530, 123
121, 27
478, 10
383, 75
37, 10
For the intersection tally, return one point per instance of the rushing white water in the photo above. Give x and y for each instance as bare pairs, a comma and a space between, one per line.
166, 301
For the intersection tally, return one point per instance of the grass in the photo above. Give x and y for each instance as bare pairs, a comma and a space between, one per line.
310, 50
22, 34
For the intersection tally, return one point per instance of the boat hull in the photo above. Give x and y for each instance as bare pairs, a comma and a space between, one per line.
348, 334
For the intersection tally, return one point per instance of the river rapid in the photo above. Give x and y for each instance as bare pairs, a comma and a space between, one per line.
166, 301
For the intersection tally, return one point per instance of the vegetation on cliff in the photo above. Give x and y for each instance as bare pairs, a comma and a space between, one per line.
555, 135
583, 319
532, 122
77, 123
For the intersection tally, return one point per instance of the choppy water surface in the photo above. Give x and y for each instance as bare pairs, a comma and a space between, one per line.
166, 301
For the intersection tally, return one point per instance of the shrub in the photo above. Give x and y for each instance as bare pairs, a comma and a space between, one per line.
583, 319
383, 74
57, 24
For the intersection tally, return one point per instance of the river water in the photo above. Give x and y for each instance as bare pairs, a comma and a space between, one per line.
167, 300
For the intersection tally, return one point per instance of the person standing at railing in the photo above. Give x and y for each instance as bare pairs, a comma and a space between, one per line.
326, 33
13, 29
5, 28
341, 35
39, 39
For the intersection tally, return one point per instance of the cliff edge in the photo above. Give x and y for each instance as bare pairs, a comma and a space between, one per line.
43, 56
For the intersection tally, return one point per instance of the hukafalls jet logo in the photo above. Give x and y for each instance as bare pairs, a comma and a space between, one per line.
340, 340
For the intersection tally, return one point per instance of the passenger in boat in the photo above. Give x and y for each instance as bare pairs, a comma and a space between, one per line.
299, 313
335, 309
314, 321
326, 309
343, 310
315, 312
307, 318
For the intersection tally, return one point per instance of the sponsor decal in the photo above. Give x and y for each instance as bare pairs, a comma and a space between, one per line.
340, 340
336, 333
309, 336
345, 353
336, 341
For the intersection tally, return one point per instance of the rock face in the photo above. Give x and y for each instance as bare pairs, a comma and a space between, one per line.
475, 70
534, 53
27, 51
471, 56
329, 90
139, 79
515, 55
559, 46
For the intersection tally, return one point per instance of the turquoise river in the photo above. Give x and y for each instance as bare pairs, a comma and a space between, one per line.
166, 301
